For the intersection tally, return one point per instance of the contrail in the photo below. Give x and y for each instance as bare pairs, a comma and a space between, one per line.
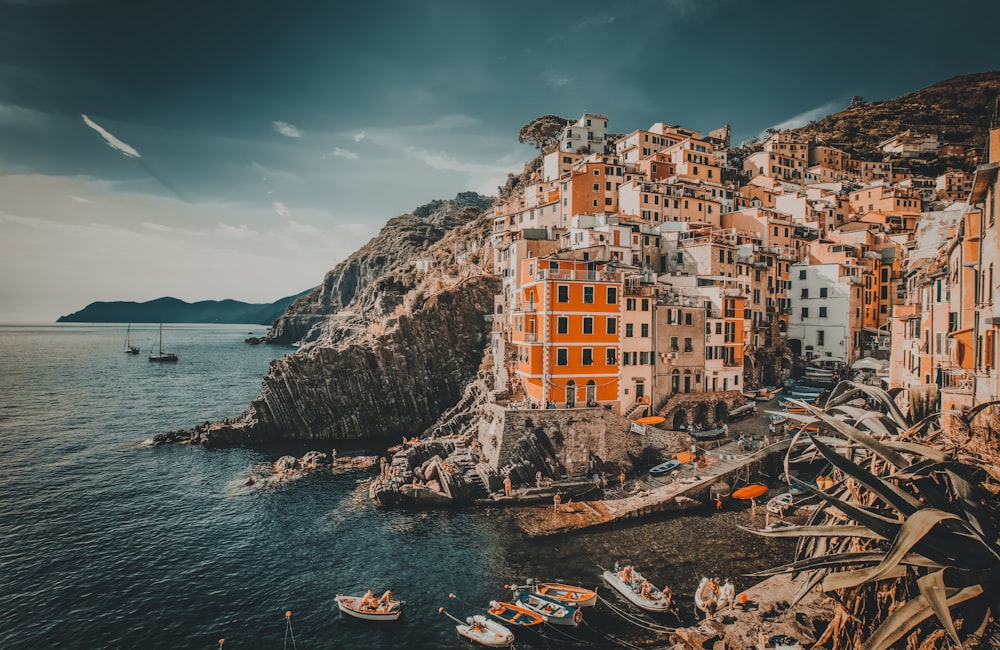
131, 152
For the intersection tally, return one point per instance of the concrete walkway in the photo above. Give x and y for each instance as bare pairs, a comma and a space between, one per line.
693, 487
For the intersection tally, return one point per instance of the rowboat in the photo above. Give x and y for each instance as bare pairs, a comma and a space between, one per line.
665, 468
485, 631
550, 609
351, 605
706, 596
743, 411
767, 393
751, 491
780, 504
567, 594
514, 614
629, 583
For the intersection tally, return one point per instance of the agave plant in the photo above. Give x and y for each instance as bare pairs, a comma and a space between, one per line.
906, 540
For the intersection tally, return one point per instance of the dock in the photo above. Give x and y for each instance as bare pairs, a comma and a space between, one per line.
691, 488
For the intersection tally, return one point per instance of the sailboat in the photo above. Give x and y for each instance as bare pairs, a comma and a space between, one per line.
162, 356
129, 348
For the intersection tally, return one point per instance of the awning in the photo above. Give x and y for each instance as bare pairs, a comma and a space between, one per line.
868, 363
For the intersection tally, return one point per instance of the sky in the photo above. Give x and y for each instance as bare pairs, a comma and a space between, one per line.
217, 149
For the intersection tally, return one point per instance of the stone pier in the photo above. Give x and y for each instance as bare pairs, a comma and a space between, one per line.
727, 464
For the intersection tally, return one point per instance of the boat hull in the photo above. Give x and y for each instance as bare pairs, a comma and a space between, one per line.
656, 604
350, 605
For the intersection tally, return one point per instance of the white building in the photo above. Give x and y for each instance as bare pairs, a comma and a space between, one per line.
590, 132
822, 323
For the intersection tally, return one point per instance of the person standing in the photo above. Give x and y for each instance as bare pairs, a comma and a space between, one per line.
621, 478
506, 485
556, 500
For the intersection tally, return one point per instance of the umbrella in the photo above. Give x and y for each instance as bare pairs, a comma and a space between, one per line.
651, 419
867, 364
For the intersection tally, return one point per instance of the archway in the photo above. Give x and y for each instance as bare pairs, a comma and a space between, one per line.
680, 420
591, 393
701, 415
721, 411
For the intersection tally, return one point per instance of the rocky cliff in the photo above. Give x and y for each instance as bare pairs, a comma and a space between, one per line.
402, 352
328, 308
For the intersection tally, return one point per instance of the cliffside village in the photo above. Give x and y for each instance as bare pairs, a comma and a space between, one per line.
660, 267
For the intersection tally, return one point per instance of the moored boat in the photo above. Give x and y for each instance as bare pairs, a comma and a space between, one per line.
567, 594
384, 609
665, 468
781, 504
485, 631
639, 591
550, 609
514, 614
751, 491
767, 393
710, 596
744, 411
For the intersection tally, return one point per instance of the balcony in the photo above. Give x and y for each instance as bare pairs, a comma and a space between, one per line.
957, 380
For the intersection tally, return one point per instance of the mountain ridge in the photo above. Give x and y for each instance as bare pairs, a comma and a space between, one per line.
173, 310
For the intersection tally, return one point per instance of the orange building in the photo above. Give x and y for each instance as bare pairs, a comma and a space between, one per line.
566, 332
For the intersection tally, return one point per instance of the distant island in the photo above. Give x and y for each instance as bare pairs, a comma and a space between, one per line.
172, 310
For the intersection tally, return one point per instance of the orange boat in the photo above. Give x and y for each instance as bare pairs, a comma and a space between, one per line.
514, 614
750, 491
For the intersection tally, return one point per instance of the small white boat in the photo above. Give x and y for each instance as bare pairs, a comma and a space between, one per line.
485, 631
351, 605
630, 584
781, 504
706, 596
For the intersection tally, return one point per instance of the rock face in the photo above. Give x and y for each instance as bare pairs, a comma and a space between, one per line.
414, 338
401, 240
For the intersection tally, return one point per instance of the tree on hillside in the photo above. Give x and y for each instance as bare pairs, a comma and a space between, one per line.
542, 131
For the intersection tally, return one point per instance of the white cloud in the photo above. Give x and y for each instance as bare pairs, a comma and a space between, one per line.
281, 209
600, 20
286, 129
359, 136
340, 153
806, 117
78, 199
554, 78
112, 141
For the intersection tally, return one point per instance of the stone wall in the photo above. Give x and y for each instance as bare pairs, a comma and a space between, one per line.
571, 443
701, 408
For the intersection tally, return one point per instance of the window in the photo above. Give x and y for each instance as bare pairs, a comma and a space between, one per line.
612, 295
645, 304
645, 358
644, 329
588, 295
805, 293
688, 344
674, 344
718, 328
588, 324
822, 312
562, 356
588, 356
611, 325
562, 325
820, 337
805, 312
687, 318
630, 304
628, 330
611, 356
802, 272
563, 293
823, 292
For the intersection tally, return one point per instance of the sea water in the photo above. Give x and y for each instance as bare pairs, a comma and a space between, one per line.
107, 542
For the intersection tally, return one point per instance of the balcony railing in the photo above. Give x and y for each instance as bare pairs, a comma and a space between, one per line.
957, 380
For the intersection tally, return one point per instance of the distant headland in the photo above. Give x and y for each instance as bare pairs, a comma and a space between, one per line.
172, 310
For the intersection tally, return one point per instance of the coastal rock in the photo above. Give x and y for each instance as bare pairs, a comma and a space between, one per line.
408, 358
403, 238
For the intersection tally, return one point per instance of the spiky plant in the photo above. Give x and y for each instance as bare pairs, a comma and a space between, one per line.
905, 541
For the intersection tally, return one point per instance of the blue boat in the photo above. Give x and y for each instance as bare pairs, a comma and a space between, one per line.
550, 609
665, 468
